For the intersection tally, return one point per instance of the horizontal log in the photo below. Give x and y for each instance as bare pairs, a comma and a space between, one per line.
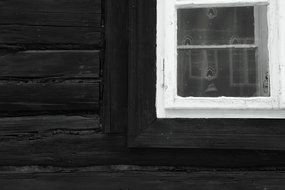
18, 34
81, 18
17, 126
47, 6
50, 64
14, 48
50, 18
145, 180
49, 22
55, 13
77, 141
49, 95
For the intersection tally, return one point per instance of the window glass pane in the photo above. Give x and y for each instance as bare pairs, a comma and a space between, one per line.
216, 26
220, 72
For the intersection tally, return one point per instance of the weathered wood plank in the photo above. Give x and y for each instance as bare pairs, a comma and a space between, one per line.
50, 64
116, 66
54, 13
74, 141
17, 126
14, 48
48, 22
146, 180
47, 6
50, 18
81, 18
18, 34
88, 18
254, 134
49, 95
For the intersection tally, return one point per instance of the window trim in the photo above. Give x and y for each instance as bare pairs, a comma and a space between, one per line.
169, 105
281, 23
145, 130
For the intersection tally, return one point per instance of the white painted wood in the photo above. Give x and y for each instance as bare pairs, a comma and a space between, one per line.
218, 3
224, 113
160, 85
281, 53
273, 52
222, 103
235, 46
169, 105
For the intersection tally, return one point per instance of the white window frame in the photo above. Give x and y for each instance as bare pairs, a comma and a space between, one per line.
170, 105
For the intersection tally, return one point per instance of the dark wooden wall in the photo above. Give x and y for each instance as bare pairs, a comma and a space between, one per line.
52, 83
60, 65
50, 56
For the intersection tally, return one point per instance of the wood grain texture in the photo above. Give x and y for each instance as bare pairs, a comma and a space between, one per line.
116, 66
146, 180
78, 141
49, 35
50, 22
36, 64
50, 81
56, 13
46, 6
49, 94
19, 126
142, 67
259, 134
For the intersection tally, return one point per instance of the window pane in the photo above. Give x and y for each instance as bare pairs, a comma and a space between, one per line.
221, 72
216, 26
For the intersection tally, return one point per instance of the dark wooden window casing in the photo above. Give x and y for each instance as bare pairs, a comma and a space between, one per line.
145, 130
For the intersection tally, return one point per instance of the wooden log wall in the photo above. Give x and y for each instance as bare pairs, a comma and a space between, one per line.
50, 56
51, 74
137, 178
51, 61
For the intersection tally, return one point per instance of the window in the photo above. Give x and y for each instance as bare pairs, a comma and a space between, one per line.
219, 50
219, 59
158, 117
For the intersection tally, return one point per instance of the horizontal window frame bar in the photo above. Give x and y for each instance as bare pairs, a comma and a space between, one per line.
186, 4
239, 46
